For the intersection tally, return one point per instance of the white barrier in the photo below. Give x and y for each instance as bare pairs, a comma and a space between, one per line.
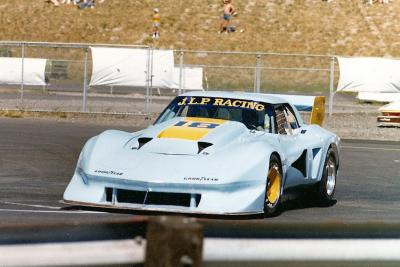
250, 250
73, 254
11, 70
130, 67
369, 74
214, 250
192, 78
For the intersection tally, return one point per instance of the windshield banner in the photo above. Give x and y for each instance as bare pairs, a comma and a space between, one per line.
188, 101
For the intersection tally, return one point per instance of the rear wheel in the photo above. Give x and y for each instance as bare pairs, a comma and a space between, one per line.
273, 187
327, 186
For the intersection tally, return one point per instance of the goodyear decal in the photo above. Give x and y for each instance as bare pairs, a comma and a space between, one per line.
191, 129
188, 101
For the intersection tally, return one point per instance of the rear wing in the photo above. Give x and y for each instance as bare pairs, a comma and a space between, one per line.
315, 104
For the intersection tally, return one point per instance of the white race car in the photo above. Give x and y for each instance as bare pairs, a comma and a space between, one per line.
213, 153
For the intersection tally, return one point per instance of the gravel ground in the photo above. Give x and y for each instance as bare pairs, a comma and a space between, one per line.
73, 101
351, 119
360, 126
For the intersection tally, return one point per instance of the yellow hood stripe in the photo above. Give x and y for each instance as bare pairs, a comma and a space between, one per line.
192, 129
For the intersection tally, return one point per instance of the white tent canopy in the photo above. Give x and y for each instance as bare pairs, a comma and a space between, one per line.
192, 78
11, 70
128, 67
369, 74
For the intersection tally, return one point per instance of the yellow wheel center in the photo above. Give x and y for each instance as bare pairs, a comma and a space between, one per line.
274, 185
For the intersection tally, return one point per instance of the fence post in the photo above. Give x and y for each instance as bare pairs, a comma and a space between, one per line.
331, 84
181, 58
22, 75
150, 93
85, 83
174, 242
148, 77
151, 80
257, 79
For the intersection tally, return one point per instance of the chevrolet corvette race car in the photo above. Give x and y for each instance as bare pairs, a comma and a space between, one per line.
213, 153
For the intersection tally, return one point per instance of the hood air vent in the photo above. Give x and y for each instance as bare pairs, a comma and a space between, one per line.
203, 145
143, 140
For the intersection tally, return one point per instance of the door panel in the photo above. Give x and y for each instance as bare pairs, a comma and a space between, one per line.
302, 148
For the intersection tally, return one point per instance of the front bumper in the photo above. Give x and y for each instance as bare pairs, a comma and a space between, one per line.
239, 198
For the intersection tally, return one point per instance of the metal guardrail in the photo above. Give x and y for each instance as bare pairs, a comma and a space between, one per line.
179, 241
255, 53
94, 253
133, 252
232, 70
66, 45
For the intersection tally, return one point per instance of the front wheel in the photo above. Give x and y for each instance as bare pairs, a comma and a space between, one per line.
273, 187
327, 186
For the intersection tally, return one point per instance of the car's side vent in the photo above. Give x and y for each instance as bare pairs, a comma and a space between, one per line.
202, 146
143, 140
301, 163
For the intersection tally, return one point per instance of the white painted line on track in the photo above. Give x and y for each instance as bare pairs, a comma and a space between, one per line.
372, 148
53, 211
30, 205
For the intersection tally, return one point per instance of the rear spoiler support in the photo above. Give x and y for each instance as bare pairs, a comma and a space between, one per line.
318, 111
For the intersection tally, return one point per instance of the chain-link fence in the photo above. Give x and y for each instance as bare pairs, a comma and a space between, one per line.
67, 75
69, 67
264, 72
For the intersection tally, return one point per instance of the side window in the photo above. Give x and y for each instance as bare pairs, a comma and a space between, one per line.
280, 120
285, 120
291, 118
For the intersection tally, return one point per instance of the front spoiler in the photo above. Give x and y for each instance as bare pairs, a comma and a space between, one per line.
228, 199
152, 208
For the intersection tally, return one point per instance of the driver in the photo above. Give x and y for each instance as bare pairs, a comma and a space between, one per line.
250, 119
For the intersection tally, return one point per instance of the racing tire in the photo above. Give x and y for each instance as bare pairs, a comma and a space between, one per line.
273, 188
327, 186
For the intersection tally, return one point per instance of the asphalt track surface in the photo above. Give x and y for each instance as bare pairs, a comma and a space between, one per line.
37, 159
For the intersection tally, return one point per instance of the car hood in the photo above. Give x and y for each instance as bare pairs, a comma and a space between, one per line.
165, 153
189, 136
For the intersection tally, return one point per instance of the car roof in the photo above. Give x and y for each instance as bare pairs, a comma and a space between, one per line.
240, 95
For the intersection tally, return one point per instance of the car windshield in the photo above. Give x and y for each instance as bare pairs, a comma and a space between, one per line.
254, 115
